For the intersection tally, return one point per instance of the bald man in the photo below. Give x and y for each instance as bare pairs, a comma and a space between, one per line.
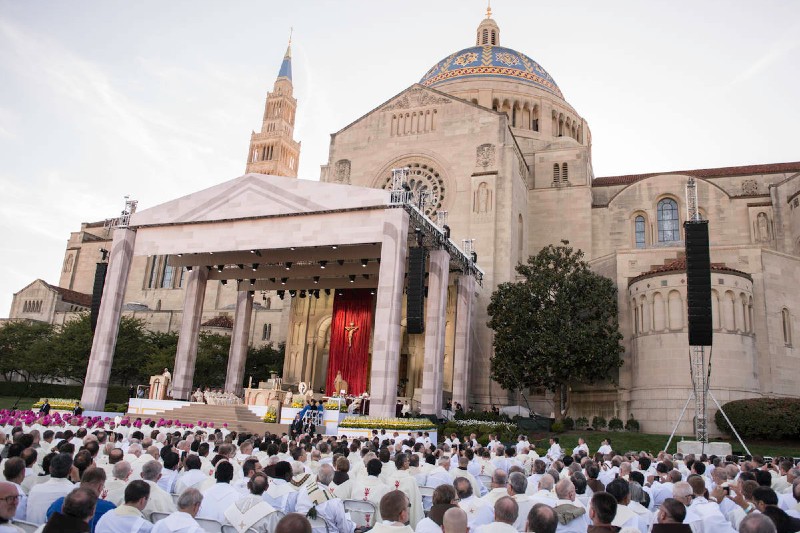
454, 521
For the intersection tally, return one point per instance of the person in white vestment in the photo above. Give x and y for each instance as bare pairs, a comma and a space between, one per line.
605, 447
395, 510
219, 496
506, 512
128, 518
193, 477
370, 488
251, 512
543, 519
9, 500
498, 487
281, 494
402, 479
44, 494
581, 447
159, 500
331, 509
479, 511
14, 472
444, 498
182, 520
554, 453
572, 517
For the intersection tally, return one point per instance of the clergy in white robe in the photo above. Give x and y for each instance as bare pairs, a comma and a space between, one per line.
193, 477
182, 521
479, 511
251, 511
128, 518
370, 488
327, 507
43, 495
160, 501
281, 494
219, 496
395, 510
404, 481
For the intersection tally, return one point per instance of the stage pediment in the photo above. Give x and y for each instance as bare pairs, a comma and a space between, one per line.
260, 195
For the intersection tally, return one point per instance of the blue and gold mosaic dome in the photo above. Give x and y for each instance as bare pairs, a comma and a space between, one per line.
491, 61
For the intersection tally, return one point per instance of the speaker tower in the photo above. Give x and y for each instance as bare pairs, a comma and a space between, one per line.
698, 282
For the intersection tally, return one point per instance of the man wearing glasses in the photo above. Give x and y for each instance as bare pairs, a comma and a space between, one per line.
9, 498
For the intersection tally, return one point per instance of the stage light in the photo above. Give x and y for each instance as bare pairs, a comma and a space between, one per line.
189, 269
316, 279
210, 253
255, 267
241, 266
224, 281
281, 294
327, 292
334, 247
364, 262
272, 280
251, 293
323, 264
340, 261
339, 293
284, 280
365, 276
292, 293
238, 281
291, 248
258, 253
316, 293
252, 281
179, 255
303, 293
352, 278
372, 292
287, 265
220, 267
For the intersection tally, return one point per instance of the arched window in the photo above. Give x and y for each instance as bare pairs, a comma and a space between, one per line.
556, 173
669, 229
564, 173
639, 231
267, 333
787, 327
485, 39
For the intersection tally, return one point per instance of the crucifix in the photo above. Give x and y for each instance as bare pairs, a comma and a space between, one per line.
351, 329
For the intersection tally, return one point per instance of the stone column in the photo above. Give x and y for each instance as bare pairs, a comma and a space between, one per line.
239, 342
186, 354
462, 359
435, 322
388, 314
98, 370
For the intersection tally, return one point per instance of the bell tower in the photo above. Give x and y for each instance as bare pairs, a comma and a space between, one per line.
273, 150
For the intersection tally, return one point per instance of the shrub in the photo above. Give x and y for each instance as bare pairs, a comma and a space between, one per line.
598, 422
569, 423
557, 427
615, 424
116, 393
582, 423
632, 424
769, 418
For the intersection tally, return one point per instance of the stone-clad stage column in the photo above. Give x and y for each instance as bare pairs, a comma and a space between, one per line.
388, 314
462, 362
105, 336
186, 354
435, 321
238, 352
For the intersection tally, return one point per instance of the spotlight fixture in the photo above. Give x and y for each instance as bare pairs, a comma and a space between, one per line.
292, 293
340, 261
241, 266
334, 247
323, 264
291, 248
256, 252
252, 281
287, 265
327, 292
189, 268
364, 262
209, 267
316, 293
238, 281
251, 293
340, 293
284, 280
281, 294
352, 278
372, 292
272, 280
210, 253
220, 267
303, 293
365, 276
255, 267
316, 279
224, 281
179, 255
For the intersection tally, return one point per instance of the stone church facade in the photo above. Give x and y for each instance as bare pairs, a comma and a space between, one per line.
487, 136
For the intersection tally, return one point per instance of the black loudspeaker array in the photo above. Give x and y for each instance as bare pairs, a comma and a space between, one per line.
97, 292
698, 282
415, 293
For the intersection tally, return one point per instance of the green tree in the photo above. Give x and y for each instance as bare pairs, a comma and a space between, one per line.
212, 360
24, 350
556, 327
72, 344
263, 361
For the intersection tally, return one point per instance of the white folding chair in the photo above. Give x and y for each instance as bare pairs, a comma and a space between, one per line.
319, 525
231, 529
486, 480
212, 526
362, 513
27, 527
427, 498
155, 516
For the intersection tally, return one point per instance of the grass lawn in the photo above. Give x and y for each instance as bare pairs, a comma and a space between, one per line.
7, 402
624, 441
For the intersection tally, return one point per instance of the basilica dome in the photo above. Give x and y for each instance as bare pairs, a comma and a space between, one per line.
493, 62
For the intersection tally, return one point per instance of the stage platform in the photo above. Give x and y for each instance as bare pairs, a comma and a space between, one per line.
237, 417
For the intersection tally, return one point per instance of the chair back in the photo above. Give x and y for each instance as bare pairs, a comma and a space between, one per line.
362, 513
231, 529
175, 497
212, 526
155, 516
486, 480
27, 527
318, 525
427, 498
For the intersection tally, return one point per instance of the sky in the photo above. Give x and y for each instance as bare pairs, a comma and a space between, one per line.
152, 99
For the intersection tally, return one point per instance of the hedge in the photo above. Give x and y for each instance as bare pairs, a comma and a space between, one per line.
116, 393
767, 418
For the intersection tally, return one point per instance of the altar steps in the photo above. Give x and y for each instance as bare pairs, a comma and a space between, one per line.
238, 417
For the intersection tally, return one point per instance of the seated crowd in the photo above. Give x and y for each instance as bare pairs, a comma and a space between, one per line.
153, 479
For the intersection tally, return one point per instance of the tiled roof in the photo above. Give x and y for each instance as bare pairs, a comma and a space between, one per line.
72, 297
747, 170
219, 322
679, 265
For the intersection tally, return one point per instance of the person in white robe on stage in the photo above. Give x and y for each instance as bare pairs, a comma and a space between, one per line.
251, 512
128, 518
182, 520
221, 495
317, 496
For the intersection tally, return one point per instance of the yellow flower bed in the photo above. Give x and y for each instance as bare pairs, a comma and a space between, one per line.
57, 403
298, 404
386, 423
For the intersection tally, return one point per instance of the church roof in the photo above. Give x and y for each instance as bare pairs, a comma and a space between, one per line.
493, 62
70, 296
747, 170
679, 265
219, 322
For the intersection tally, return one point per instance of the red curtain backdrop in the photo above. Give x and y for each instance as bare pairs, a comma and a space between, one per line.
351, 306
